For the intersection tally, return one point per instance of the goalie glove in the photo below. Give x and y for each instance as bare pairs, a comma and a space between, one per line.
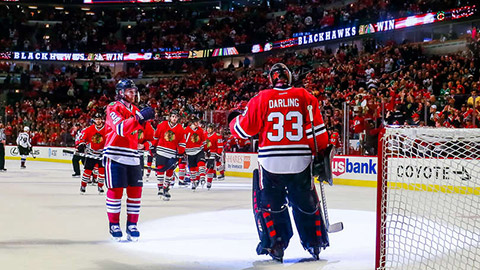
322, 165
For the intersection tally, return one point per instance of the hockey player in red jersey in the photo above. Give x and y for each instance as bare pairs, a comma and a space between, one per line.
195, 143
281, 119
145, 143
121, 158
244, 145
219, 159
94, 139
212, 152
169, 145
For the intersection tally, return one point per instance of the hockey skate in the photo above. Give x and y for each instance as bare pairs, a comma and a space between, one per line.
100, 190
202, 182
182, 183
221, 177
160, 192
276, 252
166, 194
194, 185
76, 175
315, 252
116, 232
82, 190
132, 232
209, 185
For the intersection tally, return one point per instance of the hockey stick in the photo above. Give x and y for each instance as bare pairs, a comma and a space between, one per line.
101, 158
81, 154
339, 225
32, 154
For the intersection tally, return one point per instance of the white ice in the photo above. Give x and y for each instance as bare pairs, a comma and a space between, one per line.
46, 224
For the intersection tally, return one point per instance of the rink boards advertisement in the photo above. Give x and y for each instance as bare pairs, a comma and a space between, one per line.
41, 153
447, 175
240, 164
347, 170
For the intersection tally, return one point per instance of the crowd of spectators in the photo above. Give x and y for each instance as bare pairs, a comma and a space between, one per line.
396, 84
152, 29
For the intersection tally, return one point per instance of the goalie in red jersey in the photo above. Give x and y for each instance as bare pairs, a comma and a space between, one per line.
285, 156
121, 158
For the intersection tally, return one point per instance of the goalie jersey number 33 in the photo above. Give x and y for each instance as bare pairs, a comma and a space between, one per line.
281, 119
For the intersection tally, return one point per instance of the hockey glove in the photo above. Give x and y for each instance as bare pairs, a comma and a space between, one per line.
153, 150
145, 114
81, 148
322, 165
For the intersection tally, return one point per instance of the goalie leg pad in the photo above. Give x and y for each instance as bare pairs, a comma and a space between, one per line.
307, 212
271, 217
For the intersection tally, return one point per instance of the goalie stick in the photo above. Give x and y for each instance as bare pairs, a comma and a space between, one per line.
339, 225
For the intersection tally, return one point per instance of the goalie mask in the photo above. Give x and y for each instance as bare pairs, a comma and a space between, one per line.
280, 76
127, 90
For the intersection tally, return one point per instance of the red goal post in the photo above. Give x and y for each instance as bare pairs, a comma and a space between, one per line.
428, 198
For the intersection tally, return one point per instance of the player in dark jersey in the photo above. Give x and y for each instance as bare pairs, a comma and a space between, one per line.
281, 118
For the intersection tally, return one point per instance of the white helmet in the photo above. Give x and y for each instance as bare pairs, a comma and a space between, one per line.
26, 129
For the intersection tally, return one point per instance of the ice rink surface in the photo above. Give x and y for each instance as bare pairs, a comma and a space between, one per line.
46, 224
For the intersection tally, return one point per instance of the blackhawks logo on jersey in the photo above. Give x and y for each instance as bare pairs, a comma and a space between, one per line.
209, 143
140, 135
195, 138
169, 136
97, 138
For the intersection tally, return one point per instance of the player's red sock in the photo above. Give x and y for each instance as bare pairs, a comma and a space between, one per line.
149, 165
134, 195
101, 177
114, 204
181, 171
86, 177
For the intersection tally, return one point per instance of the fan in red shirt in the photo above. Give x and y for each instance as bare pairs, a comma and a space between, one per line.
335, 139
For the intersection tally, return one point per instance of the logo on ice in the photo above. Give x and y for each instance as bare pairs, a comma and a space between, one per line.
346, 165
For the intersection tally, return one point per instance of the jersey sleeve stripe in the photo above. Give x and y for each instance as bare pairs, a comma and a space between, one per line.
120, 129
240, 130
316, 128
320, 132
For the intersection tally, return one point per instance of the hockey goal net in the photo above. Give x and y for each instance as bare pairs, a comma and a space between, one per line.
428, 199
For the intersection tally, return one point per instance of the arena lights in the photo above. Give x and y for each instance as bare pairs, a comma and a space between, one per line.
370, 28
313, 38
127, 1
